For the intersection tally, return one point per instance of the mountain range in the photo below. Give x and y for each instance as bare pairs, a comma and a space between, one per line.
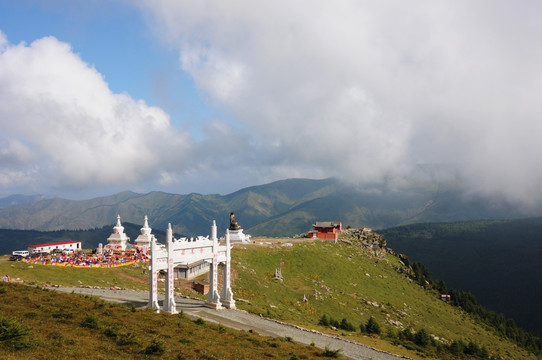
281, 208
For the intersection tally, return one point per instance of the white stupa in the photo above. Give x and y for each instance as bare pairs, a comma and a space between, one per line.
143, 241
118, 239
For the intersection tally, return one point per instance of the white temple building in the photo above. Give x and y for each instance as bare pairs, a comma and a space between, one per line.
118, 240
143, 241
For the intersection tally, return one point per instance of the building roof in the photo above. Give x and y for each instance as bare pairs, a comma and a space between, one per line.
54, 244
327, 224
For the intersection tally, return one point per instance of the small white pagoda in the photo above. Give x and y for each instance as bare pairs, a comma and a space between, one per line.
118, 240
143, 241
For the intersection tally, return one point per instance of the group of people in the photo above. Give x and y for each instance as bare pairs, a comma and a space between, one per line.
84, 259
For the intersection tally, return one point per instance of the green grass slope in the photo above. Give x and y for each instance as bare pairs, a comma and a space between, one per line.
129, 277
41, 324
348, 282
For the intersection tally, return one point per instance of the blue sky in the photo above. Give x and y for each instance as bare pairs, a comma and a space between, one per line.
111, 36
103, 96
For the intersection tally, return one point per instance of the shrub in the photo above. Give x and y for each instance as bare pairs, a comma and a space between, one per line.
331, 353
111, 332
346, 325
323, 321
407, 334
372, 327
13, 333
422, 338
127, 339
156, 347
90, 321
457, 347
62, 315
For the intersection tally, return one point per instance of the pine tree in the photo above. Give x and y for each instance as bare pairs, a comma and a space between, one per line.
372, 327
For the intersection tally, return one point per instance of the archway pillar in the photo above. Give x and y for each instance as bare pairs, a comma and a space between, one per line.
213, 298
169, 301
227, 295
153, 279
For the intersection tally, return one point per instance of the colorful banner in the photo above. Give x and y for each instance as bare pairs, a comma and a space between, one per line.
107, 265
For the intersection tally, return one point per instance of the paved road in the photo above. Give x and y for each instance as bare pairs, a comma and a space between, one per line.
242, 320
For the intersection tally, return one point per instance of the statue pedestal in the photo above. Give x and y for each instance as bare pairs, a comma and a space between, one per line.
238, 236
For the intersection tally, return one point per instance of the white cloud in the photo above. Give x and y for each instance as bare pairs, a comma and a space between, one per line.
63, 126
368, 90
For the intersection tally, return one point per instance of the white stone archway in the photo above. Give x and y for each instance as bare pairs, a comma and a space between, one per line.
182, 252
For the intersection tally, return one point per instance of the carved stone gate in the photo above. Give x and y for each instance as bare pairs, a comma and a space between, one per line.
184, 252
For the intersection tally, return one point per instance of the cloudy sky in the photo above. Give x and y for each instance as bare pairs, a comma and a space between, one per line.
212, 96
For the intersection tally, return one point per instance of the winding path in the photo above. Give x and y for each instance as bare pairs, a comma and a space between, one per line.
242, 320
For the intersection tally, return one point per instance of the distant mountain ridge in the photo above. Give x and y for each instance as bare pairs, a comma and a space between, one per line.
281, 208
18, 199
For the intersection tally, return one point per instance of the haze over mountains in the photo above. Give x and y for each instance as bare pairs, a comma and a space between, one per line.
281, 208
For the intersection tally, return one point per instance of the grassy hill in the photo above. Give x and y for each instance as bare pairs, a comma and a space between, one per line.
496, 260
41, 324
346, 283
281, 208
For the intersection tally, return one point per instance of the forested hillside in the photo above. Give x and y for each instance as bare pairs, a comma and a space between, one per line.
497, 260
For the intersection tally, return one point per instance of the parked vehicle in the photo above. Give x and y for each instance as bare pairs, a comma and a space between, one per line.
22, 253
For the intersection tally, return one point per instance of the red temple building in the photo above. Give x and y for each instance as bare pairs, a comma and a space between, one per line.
326, 230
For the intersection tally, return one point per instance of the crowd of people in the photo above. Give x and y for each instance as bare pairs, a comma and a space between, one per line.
86, 259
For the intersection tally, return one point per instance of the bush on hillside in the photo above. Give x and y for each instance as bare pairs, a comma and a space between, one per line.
343, 324
371, 327
156, 347
324, 321
422, 338
346, 325
90, 322
13, 334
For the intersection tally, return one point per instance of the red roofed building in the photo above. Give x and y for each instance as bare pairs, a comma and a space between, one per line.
326, 230
64, 245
